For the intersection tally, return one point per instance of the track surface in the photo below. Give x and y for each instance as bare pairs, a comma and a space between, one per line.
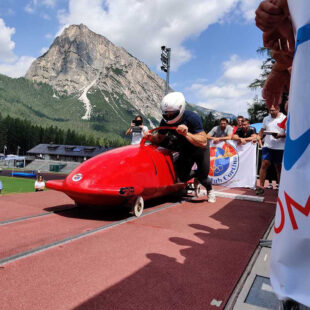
179, 255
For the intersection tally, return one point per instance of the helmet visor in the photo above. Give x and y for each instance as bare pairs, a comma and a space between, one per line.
170, 115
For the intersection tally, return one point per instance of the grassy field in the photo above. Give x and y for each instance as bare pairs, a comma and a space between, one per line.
16, 185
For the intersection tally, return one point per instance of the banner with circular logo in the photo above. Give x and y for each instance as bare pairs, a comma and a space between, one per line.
224, 162
233, 164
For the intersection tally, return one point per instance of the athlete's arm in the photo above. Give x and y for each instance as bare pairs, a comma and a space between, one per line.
198, 139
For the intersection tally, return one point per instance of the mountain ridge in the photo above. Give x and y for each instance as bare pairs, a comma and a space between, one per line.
87, 83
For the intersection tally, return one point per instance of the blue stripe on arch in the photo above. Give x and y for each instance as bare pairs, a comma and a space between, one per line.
303, 35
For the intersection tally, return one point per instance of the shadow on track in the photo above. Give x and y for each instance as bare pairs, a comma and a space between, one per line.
209, 271
108, 213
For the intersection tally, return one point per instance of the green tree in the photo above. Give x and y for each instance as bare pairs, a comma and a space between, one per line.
209, 122
257, 110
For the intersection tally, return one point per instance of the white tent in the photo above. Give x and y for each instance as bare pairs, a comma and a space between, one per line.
11, 157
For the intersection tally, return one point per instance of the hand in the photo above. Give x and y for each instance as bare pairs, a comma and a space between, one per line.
148, 136
269, 15
216, 140
132, 124
276, 40
243, 141
277, 135
275, 85
182, 130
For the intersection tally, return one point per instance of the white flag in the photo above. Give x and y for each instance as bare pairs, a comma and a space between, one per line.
233, 164
290, 254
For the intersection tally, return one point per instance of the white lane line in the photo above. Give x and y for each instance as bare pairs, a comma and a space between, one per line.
238, 196
78, 236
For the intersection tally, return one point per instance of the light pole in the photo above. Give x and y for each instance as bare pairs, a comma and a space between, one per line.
4, 149
18, 148
165, 59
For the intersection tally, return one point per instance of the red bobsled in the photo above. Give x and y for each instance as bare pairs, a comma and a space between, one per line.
126, 175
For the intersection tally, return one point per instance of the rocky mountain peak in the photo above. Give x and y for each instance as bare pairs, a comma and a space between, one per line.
80, 61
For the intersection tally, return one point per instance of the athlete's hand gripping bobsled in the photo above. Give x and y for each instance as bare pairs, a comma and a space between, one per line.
125, 175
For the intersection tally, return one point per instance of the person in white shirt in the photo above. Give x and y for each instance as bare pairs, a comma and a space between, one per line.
137, 130
273, 147
39, 184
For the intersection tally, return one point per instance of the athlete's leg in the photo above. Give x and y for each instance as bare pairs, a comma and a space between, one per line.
202, 159
183, 165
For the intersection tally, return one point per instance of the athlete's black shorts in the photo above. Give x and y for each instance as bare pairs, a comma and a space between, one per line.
186, 160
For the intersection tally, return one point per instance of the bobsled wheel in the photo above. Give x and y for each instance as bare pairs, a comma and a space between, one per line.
137, 207
198, 190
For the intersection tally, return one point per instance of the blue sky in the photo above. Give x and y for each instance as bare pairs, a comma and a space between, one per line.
213, 42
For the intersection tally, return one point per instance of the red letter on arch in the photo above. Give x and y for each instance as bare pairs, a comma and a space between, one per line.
278, 229
290, 202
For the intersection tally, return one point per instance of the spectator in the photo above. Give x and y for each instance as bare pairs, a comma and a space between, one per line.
239, 123
1, 186
222, 132
137, 129
39, 184
273, 147
246, 133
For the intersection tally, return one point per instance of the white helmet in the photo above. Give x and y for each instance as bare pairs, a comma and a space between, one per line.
173, 107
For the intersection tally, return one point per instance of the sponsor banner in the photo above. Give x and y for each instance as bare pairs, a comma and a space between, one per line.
232, 164
290, 254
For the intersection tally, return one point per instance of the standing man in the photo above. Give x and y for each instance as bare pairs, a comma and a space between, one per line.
273, 147
222, 132
191, 138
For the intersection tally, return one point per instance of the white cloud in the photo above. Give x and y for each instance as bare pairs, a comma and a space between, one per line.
43, 50
143, 26
33, 4
48, 36
18, 68
248, 8
45, 16
49, 3
7, 45
230, 93
29, 8
10, 64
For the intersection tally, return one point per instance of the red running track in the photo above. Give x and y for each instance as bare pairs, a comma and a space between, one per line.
181, 257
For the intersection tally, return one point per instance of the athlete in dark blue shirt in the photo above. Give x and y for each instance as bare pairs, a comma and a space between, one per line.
192, 140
